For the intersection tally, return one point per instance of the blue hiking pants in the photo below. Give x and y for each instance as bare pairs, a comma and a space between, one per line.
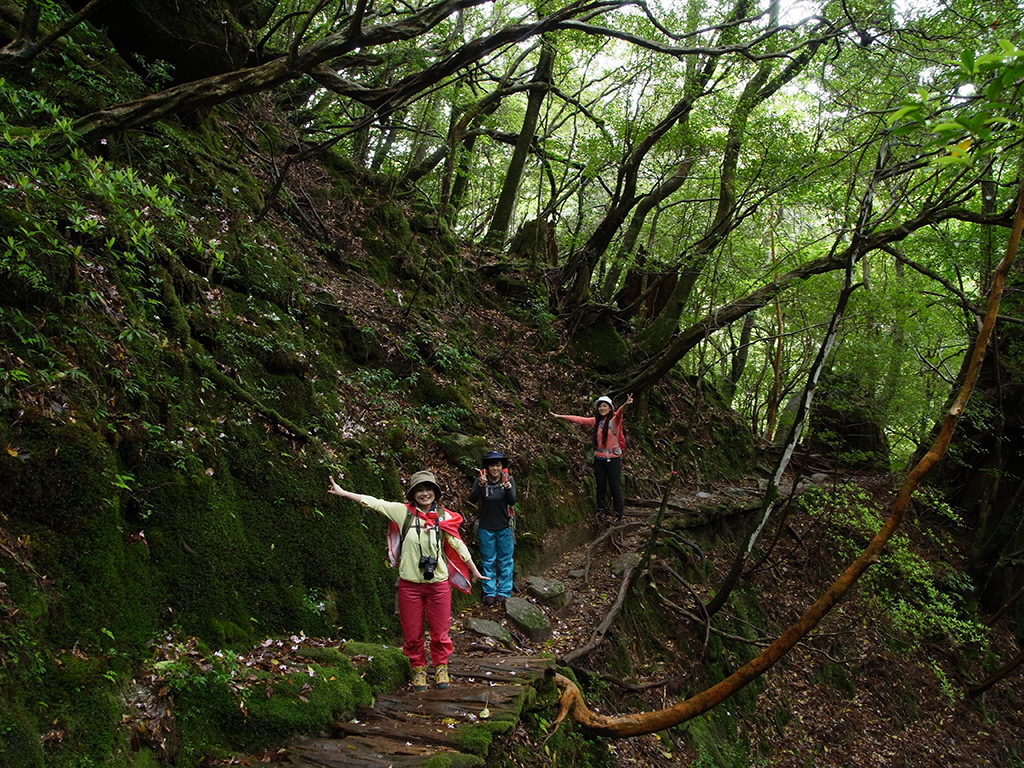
496, 548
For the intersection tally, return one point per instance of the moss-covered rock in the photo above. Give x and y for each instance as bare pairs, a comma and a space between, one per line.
19, 737
305, 703
528, 618
599, 345
386, 667
550, 592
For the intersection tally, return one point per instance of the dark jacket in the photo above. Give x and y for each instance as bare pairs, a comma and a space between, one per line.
494, 502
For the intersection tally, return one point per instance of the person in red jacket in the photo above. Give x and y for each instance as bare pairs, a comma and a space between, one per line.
608, 442
425, 545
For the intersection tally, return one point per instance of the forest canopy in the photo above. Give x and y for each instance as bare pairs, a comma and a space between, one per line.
691, 177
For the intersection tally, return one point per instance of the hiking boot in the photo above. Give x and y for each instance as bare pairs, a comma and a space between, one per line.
419, 679
441, 679
489, 600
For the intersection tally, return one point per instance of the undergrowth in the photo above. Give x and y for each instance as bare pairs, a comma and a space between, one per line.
920, 601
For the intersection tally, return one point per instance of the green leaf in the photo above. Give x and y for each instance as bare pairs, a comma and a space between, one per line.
999, 105
967, 60
952, 160
1009, 78
904, 129
988, 60
1003, 121
903, 112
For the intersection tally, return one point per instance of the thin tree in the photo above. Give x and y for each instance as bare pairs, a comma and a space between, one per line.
771, 499
506, 204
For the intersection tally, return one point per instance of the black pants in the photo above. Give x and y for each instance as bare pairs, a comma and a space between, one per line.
608, 474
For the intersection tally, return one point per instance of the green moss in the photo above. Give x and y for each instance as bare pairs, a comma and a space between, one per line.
394, 221
601, 346
304, 703
227, 633
837, 676
83, 708
252, 708
476, 738
388, 669
453, 760
19, 737
326, 656
570, 746
717, 741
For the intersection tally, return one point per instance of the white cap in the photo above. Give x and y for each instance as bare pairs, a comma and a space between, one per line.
604, 399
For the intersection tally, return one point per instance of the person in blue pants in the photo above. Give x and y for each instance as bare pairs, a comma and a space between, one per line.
494, 491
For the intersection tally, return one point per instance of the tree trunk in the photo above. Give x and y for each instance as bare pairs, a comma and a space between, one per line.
643, 208
657, 334
771, 496
25, 47
579, 271
738, 364
775, 394
506, 205
757, 90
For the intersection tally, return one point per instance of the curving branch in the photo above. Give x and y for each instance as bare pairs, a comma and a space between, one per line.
572, 701
609, 619
24, 48
313, 60
645, 376
745, 49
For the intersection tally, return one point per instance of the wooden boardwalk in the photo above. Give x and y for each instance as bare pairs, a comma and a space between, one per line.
407, 728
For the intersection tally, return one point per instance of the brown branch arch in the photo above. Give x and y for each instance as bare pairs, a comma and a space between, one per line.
572, 701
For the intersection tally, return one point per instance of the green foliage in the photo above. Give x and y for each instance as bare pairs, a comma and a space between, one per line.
987, 94
921, 602
385, 667
259, 697
176, 383
952, 694
718, 744
19, 738
566, 745
145, 490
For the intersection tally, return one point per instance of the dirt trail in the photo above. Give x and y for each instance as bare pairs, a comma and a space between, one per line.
407, 727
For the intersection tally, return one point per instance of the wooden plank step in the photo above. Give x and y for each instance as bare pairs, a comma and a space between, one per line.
506, 669
407, 728
457, 701
359, 752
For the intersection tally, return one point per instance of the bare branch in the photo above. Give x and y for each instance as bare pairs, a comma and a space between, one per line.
23, 50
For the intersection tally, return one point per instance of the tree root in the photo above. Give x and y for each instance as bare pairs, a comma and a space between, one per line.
605, 625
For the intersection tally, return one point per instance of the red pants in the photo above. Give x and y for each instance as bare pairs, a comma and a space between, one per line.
432, 602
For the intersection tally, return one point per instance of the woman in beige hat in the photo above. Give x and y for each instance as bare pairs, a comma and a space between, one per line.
425, 545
